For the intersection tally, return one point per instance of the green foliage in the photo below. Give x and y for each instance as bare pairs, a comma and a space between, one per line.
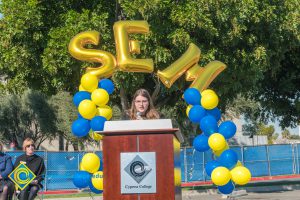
28, 115
257, 40
66, 113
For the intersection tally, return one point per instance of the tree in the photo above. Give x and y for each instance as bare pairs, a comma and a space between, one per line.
65, 113
258, 40
267, 131
286, 134
259, 128
28, 115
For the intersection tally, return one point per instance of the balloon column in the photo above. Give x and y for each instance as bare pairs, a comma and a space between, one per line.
90, 174
226, 170
91, 102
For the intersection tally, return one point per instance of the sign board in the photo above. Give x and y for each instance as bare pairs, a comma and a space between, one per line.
21, 176
138, 172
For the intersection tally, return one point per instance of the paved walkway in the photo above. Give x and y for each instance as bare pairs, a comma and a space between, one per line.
194, 195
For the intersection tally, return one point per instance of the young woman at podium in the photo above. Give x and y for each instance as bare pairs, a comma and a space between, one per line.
142, 107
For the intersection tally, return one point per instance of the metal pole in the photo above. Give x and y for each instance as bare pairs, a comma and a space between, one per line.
242, 153
46, 173
268, 160
297, 158
294, 161
185, 165
203, 166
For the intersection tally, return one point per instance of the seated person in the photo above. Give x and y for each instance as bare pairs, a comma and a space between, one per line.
6, 167
36, 164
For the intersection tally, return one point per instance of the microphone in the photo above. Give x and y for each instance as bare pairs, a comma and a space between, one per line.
139, 115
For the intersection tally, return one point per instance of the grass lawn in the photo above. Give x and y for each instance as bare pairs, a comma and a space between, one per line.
82, 194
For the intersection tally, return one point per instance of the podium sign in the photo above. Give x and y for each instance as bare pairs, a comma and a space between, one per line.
138, 173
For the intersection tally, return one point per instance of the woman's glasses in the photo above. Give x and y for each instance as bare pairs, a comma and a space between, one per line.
141, 102
32, 145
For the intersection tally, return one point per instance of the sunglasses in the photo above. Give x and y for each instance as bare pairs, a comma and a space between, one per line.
30, 145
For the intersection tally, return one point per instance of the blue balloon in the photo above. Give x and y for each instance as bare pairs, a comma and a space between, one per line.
80, 96
81, 179
196, 113
93, 189
228, 158
192, 96
200, 143
97, 123
226, 189
210, 166
227, 129
216, 113
208, 125
79, 115
81, 127
101, 165
107, 85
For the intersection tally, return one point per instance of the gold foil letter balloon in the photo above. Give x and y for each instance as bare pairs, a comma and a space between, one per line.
188, 64
124, 46
207, 74
77, 50
169, 75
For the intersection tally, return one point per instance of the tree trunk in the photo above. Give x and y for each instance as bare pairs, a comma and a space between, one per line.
75, 146
124, 102
155, 93
67, 146
61, 142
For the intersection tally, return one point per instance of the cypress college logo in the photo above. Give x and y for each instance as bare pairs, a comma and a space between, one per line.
138, 169
22, 176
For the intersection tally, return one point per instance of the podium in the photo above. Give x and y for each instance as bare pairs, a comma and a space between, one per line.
141, 160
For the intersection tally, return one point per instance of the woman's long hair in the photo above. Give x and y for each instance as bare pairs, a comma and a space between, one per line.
150, 113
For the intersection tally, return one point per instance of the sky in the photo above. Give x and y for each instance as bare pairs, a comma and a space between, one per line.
293, 131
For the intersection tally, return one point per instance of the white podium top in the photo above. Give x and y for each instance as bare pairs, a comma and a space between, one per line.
125, 125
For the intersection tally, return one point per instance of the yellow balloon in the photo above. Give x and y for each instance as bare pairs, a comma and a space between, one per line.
90, 162
209, 100
177, 177
188, 110
239, 164
81, 88
97, 180
96, 136
89, 82
124, 46
240, 175
87, 109
77, 48
207, 91
81, 168
100, 97
217, 142
220, 176
219, 152
105, 111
